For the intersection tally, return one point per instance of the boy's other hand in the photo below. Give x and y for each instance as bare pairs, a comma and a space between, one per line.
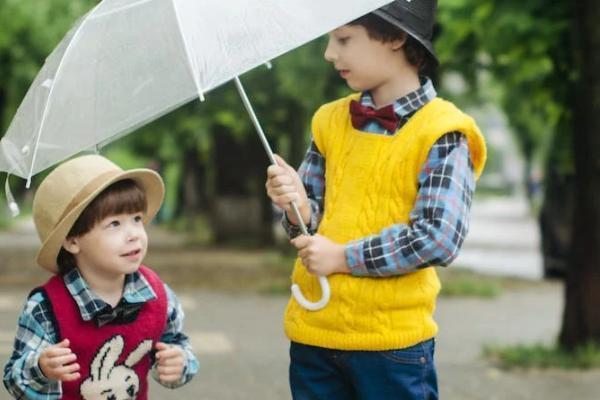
284, 186
320, 255
57, 362
170, 362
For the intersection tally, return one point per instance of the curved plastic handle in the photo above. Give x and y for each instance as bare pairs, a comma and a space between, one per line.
326, 294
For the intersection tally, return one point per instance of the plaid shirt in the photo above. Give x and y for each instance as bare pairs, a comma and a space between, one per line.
36, 331
438, 222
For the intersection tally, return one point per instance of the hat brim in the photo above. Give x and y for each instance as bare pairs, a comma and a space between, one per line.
150, 182
399, 24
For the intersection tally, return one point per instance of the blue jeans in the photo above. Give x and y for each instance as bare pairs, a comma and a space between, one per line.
317, 373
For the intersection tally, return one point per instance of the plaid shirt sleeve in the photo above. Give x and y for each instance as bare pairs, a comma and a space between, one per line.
438, 222
22, 376
174, 335
312, 174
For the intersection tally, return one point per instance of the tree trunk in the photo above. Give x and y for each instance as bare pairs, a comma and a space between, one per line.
239, 212
3, 126
556, 214
581, 319
193, 186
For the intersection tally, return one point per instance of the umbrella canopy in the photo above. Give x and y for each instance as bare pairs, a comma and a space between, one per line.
128, 62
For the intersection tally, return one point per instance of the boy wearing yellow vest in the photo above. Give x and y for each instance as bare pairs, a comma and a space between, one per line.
385, 188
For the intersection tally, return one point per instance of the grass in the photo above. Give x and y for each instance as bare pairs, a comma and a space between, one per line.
280, 267
544, 356
456, 282
4, 222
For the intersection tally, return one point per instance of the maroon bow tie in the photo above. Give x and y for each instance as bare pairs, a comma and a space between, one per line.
385, 116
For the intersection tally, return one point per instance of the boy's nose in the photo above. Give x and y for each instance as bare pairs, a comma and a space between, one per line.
329, 52
134, 233
132, 236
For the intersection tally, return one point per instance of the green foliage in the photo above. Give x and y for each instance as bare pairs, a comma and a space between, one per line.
543, 356
516, 54
525, 48
29, 31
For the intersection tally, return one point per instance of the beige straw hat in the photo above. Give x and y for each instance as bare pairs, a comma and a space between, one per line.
66, 191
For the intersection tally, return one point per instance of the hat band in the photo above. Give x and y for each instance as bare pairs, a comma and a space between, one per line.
88, 189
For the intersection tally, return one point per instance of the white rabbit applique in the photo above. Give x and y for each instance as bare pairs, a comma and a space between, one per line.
109, 380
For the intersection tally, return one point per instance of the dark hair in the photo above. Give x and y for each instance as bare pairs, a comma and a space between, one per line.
122, 197
383, 31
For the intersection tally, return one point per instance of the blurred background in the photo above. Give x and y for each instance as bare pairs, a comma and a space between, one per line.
518, 312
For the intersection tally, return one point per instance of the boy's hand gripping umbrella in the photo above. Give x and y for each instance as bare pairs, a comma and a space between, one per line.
128, 62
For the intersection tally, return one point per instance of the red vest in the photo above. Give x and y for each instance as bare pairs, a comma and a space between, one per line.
114, 359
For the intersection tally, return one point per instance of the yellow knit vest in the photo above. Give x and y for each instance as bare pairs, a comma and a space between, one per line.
371, 183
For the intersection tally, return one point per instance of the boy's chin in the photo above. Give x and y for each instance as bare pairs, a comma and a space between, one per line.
357, 87
131, 268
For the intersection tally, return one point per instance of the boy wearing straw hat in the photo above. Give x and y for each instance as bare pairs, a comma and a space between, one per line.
98, 326
386, 187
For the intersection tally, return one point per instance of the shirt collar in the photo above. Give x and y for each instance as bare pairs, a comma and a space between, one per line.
136, 290
409, 103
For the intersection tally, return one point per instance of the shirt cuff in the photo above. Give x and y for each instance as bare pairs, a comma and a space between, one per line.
189, 370
36, 378
294, 230
170, 385
355, 258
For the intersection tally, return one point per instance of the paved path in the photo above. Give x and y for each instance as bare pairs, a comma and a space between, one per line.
503, 239
243, 352
239, 341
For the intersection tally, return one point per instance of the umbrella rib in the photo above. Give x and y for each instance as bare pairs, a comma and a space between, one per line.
119, 9
54, 80
187, 52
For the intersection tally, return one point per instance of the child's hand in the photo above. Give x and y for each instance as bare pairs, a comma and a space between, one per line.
284, 186
170, 362
57, 362
320, 255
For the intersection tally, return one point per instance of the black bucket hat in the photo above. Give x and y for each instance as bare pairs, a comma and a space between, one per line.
415, 17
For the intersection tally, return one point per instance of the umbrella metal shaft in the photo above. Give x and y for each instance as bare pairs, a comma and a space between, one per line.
266, 145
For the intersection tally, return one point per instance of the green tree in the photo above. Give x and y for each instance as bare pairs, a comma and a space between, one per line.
29, 30
544, 57
581, 321
216, 150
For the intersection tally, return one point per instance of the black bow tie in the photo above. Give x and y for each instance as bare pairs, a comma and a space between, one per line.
123, 313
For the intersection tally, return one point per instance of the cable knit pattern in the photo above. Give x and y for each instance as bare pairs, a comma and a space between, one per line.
371, 183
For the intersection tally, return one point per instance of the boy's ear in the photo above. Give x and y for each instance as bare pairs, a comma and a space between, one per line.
397, 44
71, 245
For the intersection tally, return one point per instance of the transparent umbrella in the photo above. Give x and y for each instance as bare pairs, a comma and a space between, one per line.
128, 62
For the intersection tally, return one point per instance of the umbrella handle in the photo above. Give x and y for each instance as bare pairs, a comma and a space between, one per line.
325, 290
326, 293
310, 306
